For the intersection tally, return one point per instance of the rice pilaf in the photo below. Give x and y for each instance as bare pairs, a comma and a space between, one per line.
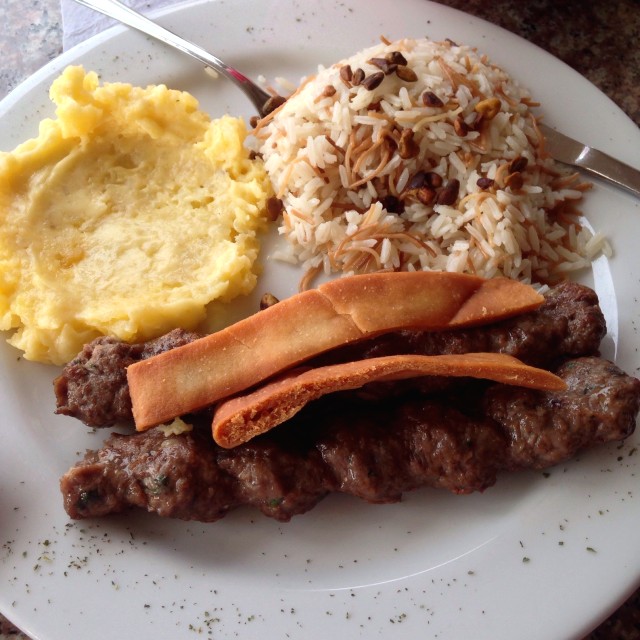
422, 155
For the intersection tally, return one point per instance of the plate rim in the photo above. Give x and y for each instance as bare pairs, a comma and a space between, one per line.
37, 79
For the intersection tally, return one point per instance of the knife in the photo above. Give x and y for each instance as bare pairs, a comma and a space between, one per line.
594, 162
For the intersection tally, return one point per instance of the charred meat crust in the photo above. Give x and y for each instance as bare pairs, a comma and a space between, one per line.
93, 387
375, 450
569, 323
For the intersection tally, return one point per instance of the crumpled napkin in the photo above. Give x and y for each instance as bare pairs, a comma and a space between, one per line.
80, 23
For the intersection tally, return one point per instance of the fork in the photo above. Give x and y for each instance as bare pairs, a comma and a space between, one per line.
594, 162
262, 101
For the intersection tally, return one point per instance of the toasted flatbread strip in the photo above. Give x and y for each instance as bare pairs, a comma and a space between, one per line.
336, 313
243, 417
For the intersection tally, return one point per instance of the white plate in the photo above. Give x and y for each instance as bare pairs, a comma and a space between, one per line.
435, 565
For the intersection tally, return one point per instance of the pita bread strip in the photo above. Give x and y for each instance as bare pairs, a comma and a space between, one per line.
341, 311
240, 419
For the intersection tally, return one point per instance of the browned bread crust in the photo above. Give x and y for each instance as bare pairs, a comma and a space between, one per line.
243, 417
336, 313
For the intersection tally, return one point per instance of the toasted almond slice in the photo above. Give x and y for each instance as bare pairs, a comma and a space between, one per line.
336, 313
239, 419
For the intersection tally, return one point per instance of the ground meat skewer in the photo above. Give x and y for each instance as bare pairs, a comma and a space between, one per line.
601, 405
569, 323
373, 450
93, 387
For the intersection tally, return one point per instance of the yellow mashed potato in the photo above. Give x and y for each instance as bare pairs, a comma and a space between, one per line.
126, 216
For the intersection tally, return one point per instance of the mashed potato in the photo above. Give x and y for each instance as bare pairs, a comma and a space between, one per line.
126, 216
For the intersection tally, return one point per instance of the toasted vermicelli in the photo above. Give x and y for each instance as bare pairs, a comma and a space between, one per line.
420, 155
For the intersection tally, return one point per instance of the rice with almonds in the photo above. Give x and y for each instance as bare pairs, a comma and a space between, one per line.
421, 155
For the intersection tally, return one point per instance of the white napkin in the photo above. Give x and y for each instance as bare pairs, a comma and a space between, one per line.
80, 23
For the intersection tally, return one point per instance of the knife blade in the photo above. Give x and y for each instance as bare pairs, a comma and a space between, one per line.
594, 162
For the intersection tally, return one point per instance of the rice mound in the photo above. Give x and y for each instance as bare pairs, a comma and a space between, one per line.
421, 155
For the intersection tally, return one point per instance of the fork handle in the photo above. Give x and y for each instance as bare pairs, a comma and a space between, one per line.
120, 12
604, 166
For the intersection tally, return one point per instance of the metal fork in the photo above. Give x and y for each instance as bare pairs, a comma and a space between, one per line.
263, 101
596, 163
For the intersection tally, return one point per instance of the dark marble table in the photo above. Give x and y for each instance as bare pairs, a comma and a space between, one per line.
601, 40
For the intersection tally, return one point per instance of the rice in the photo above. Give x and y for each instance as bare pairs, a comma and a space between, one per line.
440, 166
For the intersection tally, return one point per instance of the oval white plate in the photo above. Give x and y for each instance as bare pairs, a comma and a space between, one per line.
538, 556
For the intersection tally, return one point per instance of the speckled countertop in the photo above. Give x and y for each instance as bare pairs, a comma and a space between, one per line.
598, 39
